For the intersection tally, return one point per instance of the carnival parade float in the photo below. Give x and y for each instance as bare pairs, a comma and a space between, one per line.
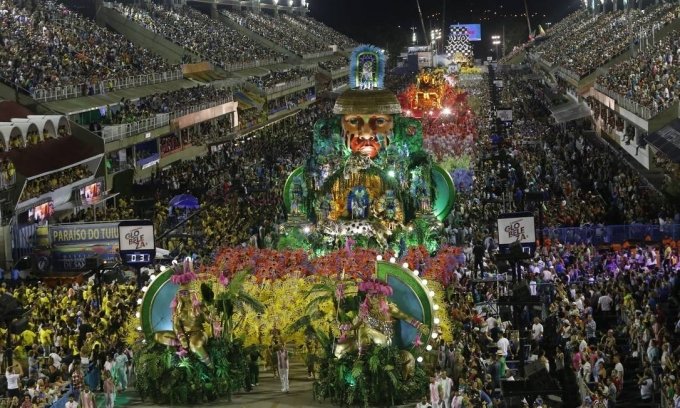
368, 178
357, 279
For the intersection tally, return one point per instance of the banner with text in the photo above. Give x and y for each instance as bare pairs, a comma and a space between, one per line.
72, 244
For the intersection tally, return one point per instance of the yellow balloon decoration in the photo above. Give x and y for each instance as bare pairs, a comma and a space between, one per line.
445, 326
285, 302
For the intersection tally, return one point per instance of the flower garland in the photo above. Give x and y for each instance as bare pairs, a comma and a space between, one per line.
268, 265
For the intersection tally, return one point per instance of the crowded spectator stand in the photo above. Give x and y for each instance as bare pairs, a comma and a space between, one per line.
71, 56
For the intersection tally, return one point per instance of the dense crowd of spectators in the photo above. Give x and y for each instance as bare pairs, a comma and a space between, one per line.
274, 78
280, 31
450, 135
120, 211
322, 31
290, 101
250, 117
583, 180
591, 42
74, 343
652, 77
607, 329
198, 33
335, 63
337, 83
556, 30
45, 45
51, 182
607, 319
240, 184
7, 173
129, 111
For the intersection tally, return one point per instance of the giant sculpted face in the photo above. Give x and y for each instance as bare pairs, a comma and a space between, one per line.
367, 134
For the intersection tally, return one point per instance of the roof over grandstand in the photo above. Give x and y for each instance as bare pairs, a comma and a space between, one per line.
667, 139
51, 155
10, 110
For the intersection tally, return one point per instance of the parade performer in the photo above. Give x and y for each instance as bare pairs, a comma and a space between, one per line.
283, 365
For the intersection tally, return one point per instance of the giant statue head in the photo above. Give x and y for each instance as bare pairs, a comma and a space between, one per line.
367, 134
367, 119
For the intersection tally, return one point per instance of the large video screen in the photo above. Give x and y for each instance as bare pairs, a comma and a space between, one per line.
41, 212
474, 31
91, 192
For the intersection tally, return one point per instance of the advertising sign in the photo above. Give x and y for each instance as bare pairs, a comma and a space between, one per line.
72, 244
136, 237
513, 227
474, 31
137, 245
505, 115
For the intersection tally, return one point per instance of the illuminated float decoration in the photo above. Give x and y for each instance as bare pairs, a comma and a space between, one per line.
368, 177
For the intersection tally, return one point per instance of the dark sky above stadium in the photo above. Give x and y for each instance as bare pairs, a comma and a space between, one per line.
382, 21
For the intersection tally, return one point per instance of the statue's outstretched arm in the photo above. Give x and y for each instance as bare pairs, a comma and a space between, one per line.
396, 313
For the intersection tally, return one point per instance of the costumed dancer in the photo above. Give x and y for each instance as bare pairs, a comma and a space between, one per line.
109, 390
441, 354
120, 370
310, 358
253, 366
283, 365
447, 386
87, 398
434, 393
272, 358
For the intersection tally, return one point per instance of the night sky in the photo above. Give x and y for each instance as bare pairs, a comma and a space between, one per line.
388, 23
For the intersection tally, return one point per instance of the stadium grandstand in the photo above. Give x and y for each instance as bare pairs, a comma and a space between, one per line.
618, 67
194, 115
137, 91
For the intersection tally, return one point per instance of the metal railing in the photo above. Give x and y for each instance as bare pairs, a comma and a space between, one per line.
628, 104
338, 71
103, 86
289, 85
123, 131
613, 234
237, 66
568, 74
317, 54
